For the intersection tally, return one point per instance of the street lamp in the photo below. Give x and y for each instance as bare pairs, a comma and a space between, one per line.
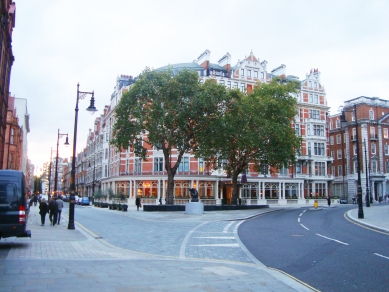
56, 160
359, 187
92, 109
367, 178
51, 158
93, 182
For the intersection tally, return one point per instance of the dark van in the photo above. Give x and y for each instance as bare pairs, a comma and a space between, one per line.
13, 204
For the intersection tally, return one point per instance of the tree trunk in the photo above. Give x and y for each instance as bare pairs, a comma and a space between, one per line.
234, 189
170, 189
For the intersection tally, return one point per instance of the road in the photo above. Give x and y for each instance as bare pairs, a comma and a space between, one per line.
321, 248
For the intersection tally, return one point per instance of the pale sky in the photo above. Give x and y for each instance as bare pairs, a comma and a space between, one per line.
59, 43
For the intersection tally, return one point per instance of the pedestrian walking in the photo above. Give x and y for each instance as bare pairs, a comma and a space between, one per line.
60, 206
329, 200
138, 203
43, 210
53, 207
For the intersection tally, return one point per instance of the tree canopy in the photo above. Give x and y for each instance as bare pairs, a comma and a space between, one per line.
256, 131
168, 112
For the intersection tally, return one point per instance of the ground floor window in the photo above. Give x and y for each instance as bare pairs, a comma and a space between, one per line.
206, 189
249, 191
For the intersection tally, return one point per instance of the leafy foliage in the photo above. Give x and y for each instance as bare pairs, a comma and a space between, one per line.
255, 131
167, 112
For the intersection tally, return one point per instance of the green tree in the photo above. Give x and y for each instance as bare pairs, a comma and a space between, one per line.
257, 130
167, 112
37, 184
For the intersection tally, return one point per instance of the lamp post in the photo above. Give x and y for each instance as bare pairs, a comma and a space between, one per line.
92, 109
56, 160
359, 187
367, 178
51, 155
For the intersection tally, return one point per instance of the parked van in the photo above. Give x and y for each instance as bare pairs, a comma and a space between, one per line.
13, 204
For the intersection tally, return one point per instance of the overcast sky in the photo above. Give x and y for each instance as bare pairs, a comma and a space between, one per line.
59, 43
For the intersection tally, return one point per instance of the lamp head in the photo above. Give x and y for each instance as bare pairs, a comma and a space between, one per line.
92, 109
67, 141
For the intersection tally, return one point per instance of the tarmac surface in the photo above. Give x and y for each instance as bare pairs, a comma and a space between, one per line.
56, 258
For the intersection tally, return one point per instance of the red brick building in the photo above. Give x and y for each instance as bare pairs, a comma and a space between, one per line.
7, 20
123, 172
372, 124
13, 150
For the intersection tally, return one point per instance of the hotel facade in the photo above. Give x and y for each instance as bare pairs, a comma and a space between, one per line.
100, 167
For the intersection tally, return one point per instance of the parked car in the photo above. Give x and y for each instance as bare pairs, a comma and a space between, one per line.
85, 201
13, 204
76, 199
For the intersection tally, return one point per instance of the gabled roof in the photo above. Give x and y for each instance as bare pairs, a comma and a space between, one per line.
213, 66
179, 66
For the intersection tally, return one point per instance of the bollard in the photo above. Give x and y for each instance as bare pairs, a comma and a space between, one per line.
316, 204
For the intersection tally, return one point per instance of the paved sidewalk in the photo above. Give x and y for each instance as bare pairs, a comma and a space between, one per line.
375, 217
56, 258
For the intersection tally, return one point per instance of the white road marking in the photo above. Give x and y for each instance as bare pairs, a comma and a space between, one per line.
301, 214
225, 230
304, 227
298, 219
380, 255
332, 239
224, 271
217, 237
218, 244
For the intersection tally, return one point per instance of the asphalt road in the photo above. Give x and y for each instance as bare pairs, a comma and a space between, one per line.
321, 248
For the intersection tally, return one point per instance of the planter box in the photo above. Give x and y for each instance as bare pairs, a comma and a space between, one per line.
103, 205
124, 207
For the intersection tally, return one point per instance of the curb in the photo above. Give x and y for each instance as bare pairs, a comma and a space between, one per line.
352, 219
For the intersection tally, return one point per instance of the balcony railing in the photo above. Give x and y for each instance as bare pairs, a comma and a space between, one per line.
181, 173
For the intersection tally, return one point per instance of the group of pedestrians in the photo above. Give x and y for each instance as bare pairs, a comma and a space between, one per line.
53, 208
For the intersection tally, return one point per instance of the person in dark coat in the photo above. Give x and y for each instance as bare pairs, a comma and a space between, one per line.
43, 210
53, 207
138, 203
329, 201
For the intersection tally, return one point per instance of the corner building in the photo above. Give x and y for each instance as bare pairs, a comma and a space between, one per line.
371, 122
307, 179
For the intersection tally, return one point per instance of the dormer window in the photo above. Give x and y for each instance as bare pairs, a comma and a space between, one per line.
337, 123
371, 114
242, 72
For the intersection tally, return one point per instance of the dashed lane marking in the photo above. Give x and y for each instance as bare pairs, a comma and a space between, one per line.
380, 255
304, 226
332, 239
